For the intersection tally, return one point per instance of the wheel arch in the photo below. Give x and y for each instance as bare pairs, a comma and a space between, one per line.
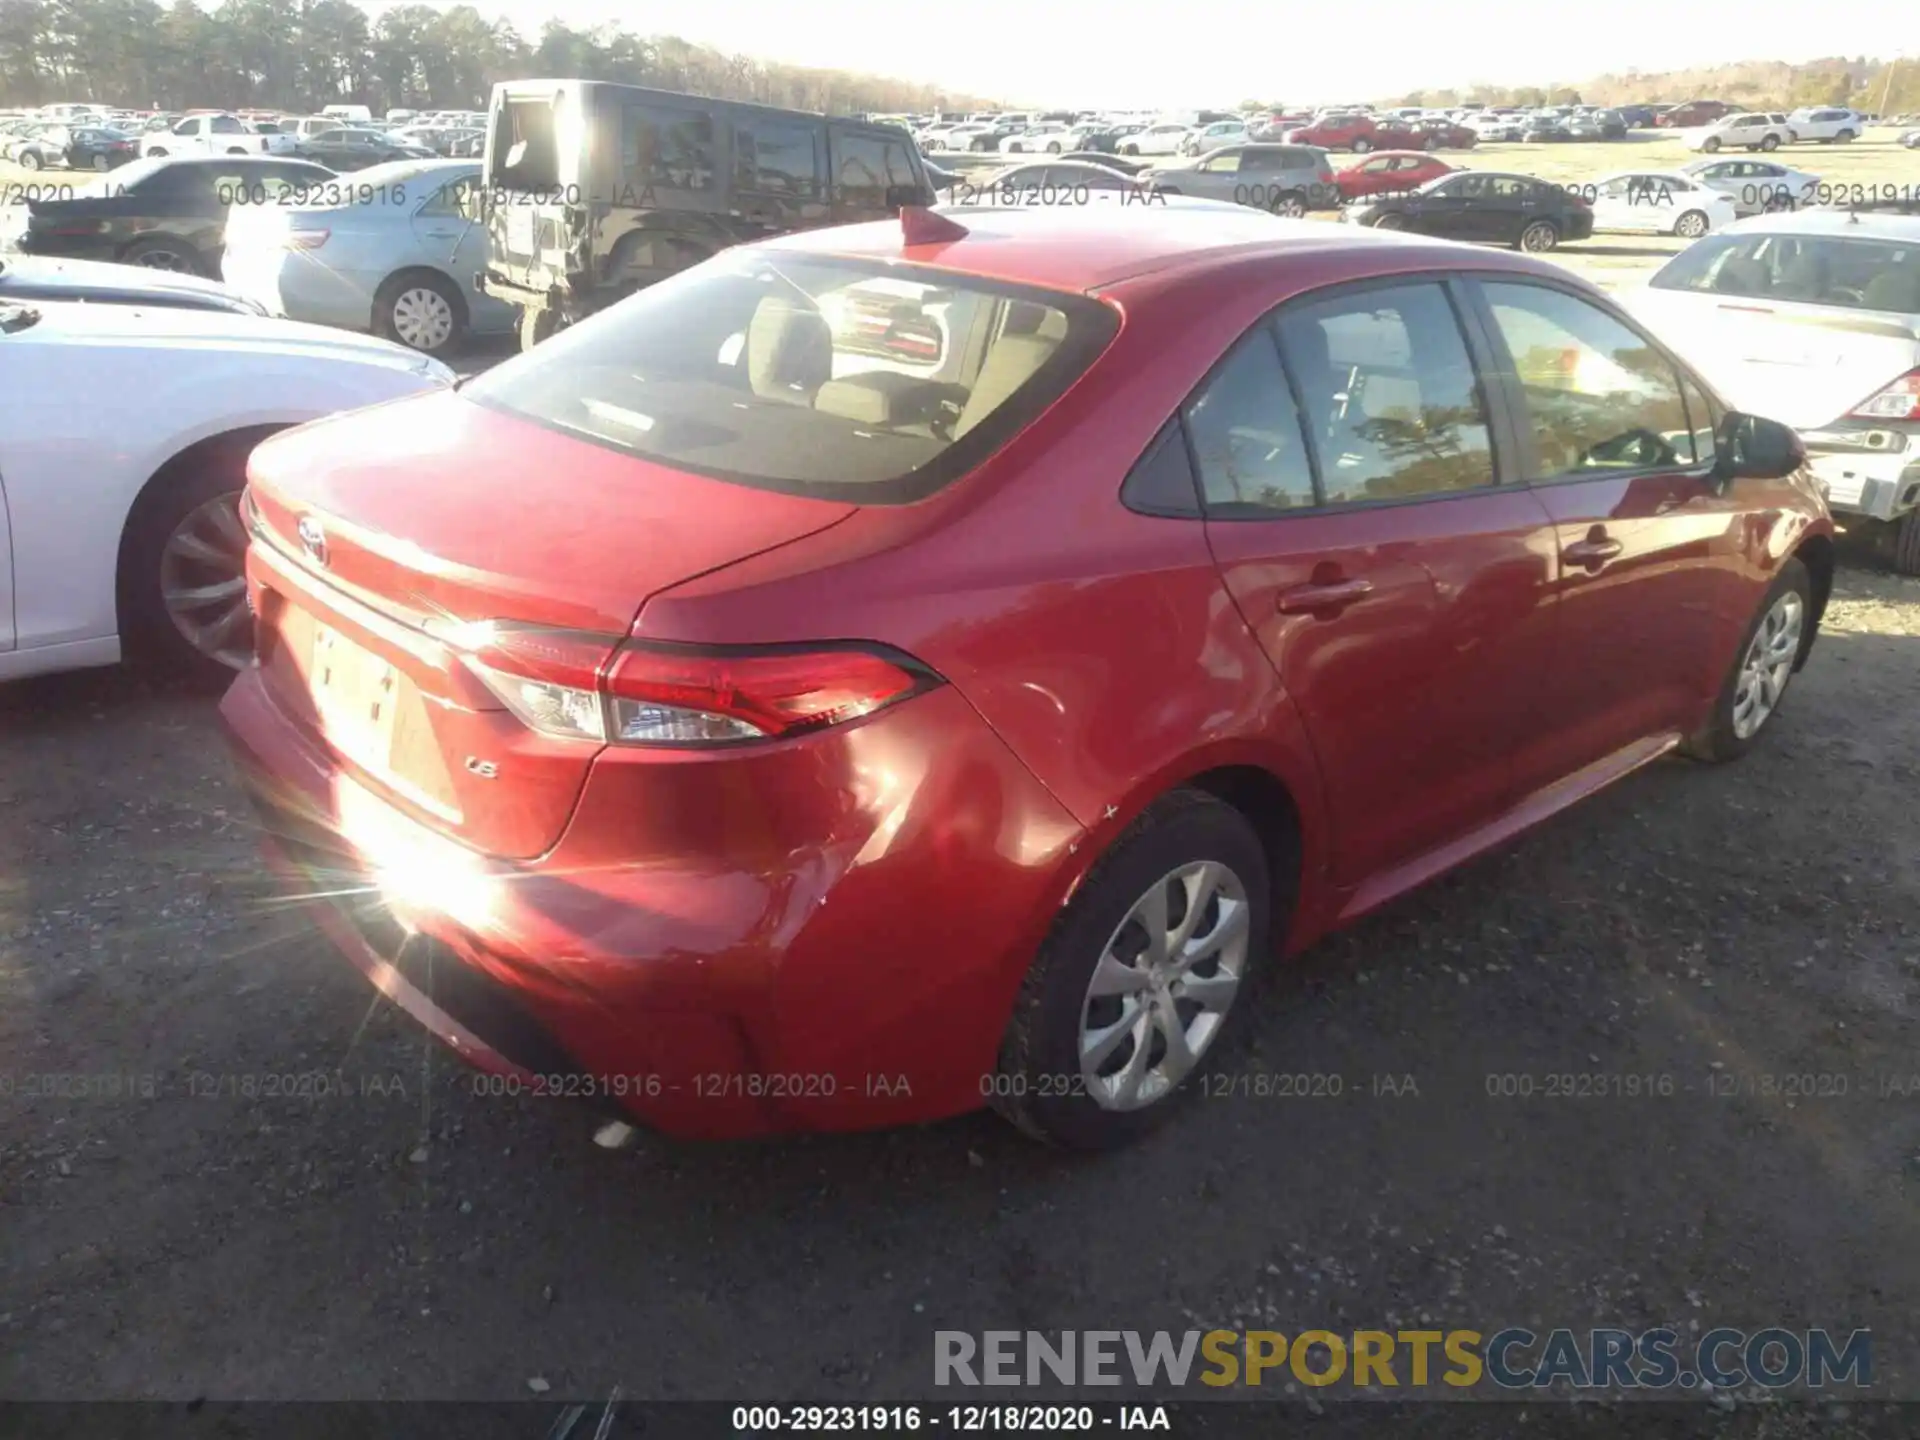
1816, 552
183, 461
1269, 806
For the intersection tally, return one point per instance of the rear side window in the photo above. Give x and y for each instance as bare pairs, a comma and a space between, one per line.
836, 378
1598, 395
666, 147
1391, 397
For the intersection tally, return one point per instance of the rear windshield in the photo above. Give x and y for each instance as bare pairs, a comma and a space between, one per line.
1845, 271
809, 375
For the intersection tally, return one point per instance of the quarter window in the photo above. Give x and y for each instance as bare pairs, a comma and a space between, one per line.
865, 165
1391, 398
1246, 435
1599, 397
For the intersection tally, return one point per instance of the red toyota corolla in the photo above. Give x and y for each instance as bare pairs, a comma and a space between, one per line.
726, 713
1392, 172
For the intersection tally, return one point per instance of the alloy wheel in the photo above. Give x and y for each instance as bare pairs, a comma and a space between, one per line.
1539, 237
1160, 992
99, 162
1691, 226
163, 260
203, 581
422, 318
1768, 665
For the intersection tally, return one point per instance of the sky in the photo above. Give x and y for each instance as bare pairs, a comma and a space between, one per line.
1075, 53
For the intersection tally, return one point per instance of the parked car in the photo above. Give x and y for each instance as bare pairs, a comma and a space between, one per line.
72, 148
1389, 172
1286, 179
1445, 135
1756, 185
1545, 130
655, 181
1635, 117
1694, 112
1161, 139
1911, 139
1826, 124
118, 532
212, 134
1208, 138
1358, 133
1660, 203
1045, 137
1748, 130
343, 150
1113, 162
1516, 210
1814, 316
34, 279
997, 716
1054, 181
394, 254
168, 214
1498, 128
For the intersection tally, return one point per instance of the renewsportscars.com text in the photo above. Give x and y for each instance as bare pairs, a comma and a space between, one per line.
1509, 1359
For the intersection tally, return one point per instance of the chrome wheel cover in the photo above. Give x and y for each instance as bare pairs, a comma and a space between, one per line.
1768, 665
1162, 987
203, 581
1538, 237
422, 318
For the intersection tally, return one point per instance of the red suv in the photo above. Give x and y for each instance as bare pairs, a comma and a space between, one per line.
1358, 133
715, 715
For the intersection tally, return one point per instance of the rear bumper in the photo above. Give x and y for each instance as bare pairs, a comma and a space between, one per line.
740, 985
1881, 486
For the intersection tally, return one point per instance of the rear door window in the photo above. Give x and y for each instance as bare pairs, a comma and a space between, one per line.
777, 157
1392, 400
667, 147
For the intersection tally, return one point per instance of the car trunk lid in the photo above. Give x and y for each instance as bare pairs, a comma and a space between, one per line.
384, 536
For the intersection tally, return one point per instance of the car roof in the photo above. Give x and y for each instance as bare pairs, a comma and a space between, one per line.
1830, 222
1083, 249
1395, 155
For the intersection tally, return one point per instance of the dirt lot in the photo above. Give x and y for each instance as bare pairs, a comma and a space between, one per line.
407, 1239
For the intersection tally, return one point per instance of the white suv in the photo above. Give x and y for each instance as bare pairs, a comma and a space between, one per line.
1754, 131
1813, 318
1825, 123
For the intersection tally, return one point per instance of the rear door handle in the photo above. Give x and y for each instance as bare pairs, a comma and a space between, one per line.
1592, 552
1313, 599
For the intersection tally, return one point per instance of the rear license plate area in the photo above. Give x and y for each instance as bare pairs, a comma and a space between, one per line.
356, 696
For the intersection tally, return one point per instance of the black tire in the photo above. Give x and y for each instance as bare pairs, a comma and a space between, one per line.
1844, 136
236, 150
1717, 741
1430, 144
165, 252
1390, 221
1129, 149
149, 639
157, 151
1039, 1065
1906, 543
388, 296
1361, 145
1770, 142
30, 160
1293, 204
537, 325
1692, 225
1711, 144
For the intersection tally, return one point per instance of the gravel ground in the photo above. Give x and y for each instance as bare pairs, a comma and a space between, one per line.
409, 1239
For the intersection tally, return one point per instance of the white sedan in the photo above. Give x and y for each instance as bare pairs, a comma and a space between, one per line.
1660, 203
1758, 187
125, 435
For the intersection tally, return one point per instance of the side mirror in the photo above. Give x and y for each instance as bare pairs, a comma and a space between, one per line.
1750, 447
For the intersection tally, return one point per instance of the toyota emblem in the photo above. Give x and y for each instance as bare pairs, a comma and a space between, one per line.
314, 539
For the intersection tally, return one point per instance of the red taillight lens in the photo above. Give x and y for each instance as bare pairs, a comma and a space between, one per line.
674, 696
580, 686
306, 239
1899, 401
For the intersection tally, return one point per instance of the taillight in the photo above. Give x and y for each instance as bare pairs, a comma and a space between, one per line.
1899, 401
305, 239
595, 687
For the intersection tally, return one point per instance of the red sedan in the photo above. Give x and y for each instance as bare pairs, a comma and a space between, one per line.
711, 714
1391, 172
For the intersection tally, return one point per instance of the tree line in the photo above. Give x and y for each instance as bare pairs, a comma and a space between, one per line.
1890, 86
299, 55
